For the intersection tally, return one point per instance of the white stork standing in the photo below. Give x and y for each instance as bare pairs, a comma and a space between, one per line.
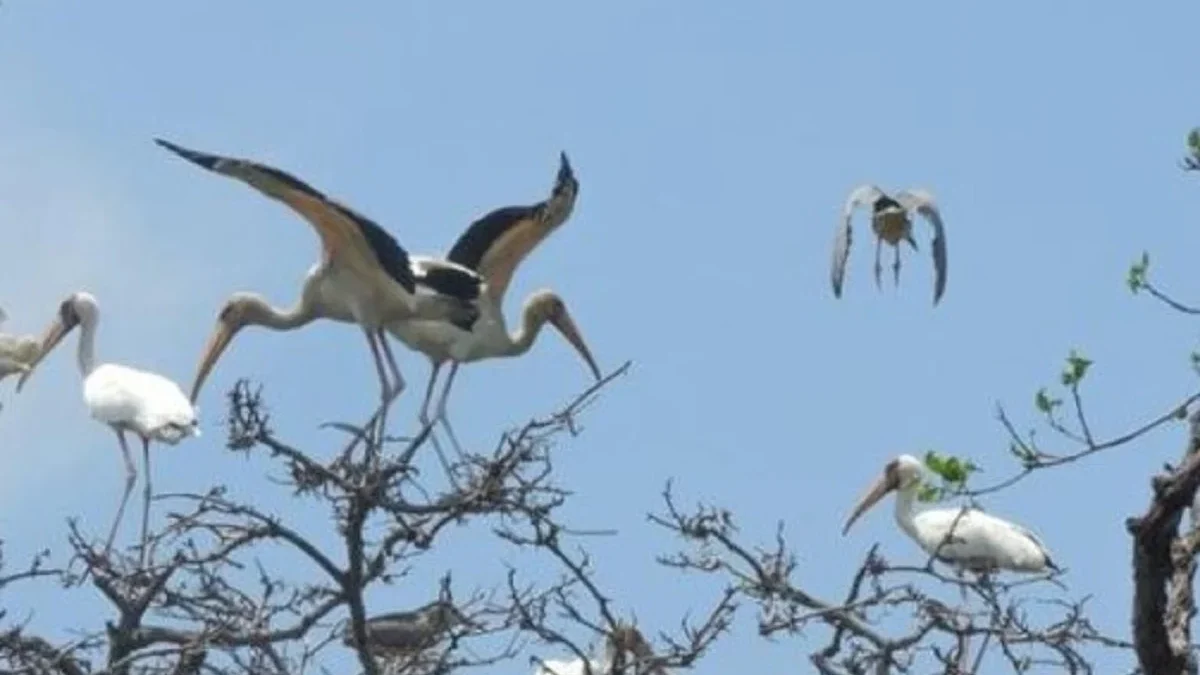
364, 275
493, 246
891, 222
977, 541
17, 352
127, 400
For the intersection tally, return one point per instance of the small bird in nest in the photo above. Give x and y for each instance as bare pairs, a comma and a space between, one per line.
891, 221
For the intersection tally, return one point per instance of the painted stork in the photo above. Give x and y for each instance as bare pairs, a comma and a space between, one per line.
979, 542
891, 222
17, 352
364, 275
399, 635
493, 246
127, 400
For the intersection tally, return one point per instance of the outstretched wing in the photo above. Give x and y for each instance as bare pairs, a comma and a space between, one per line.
337, 225
922, 202
496, 243
863, 194
3, 316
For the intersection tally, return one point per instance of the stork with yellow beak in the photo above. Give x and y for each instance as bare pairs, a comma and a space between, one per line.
965, 537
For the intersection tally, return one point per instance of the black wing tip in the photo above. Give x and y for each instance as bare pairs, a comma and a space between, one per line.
203, 159
566, 174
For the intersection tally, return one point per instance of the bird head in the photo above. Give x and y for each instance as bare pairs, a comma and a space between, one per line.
899, 474
547, 307
241, 309
77, 308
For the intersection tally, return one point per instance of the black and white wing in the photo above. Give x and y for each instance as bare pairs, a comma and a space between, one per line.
861, 195
922, 202
443, 278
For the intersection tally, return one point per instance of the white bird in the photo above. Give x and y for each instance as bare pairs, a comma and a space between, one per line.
979, 542
127, 400
493, 246
364, 275
17, 352
891, 222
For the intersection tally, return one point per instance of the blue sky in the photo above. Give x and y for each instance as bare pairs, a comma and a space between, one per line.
715, 143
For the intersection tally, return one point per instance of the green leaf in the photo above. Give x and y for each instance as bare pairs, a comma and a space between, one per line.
1076, 369
1044, 402
952, 470
928, 493
1137, 273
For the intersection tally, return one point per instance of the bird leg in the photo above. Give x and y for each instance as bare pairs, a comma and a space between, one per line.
390, 391
145, 503
426, 421
896, 267
130, 478
878, 267
384, 389
441, 413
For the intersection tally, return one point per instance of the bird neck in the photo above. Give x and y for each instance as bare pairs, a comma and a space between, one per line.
86, 351
285, 319
906, 500
520, 341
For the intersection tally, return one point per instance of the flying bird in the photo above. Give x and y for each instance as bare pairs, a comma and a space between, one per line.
965, 537
17, 352
400, 635
493, 246
127, 400
891, 221
364, 275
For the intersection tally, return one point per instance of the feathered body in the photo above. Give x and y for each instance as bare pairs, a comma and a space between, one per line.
147, 404
977, 541
980, 542
126, 399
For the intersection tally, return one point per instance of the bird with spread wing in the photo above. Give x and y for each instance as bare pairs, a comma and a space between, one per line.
891, 220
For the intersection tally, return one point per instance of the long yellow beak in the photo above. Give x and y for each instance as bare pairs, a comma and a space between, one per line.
566, 325
217, 342
886, 483
54, 335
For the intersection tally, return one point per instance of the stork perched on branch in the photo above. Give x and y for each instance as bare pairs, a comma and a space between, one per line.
493, 246
126, 399
364, 276
891, 221
965, 537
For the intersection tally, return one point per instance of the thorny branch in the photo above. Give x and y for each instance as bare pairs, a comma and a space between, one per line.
892, 618
206, 599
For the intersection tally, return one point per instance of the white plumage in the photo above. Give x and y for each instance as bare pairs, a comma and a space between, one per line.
568, 667
978, 541
147, 404
126, 399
